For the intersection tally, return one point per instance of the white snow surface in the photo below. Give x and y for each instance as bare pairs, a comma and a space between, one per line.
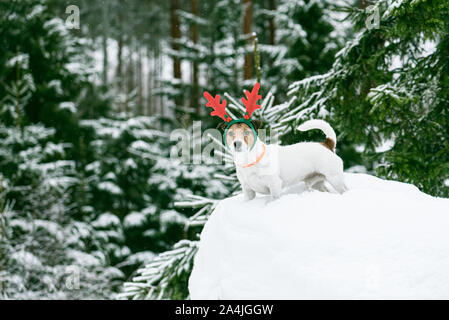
380, 240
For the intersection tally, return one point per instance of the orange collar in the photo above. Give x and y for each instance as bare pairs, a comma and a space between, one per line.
258, 158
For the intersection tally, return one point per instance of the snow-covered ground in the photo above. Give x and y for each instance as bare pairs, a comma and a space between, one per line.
380, 240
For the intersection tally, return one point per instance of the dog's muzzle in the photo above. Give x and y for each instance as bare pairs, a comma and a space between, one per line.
238, 146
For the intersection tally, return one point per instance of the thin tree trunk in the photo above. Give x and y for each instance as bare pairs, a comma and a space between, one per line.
156, 99
130, 73
105, 42
130, 85
150, 75
139, 83
247, 22
175, 34
145, 79
120, 60
159, 83
195, 85
119, 73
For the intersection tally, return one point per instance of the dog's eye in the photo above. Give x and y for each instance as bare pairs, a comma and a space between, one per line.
246, 133
231, 133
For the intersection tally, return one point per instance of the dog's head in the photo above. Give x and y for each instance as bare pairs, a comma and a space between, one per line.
240, 136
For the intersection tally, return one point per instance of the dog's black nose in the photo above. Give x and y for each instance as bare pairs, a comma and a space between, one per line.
237, 145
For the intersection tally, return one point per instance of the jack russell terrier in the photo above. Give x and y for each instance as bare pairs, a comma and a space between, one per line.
267, 169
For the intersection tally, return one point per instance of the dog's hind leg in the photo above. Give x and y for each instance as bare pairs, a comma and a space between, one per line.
321, 186
315, 181
338, 183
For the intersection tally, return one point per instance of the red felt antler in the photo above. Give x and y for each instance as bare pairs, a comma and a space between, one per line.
251, 101
219, 108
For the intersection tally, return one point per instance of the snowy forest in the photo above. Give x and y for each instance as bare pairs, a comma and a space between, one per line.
93, 204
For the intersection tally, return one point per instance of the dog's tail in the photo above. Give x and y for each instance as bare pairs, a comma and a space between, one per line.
331, 138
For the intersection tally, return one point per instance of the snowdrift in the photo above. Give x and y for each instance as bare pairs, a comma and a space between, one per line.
380, 240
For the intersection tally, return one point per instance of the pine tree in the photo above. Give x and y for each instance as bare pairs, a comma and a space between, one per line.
44, 52
387, 93
47, 254
132, 178
43, 80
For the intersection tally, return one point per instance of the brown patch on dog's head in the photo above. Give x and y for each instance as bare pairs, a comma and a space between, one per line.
329, 143
240, 137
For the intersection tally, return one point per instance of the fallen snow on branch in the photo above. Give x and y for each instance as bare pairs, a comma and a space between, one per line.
380, 240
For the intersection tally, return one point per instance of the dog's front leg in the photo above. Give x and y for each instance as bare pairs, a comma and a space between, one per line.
275, 187
248, 193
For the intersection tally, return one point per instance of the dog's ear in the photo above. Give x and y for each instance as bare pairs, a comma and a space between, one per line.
222, 126
257, 124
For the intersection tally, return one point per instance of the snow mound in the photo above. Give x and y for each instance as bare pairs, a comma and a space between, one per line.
380, 240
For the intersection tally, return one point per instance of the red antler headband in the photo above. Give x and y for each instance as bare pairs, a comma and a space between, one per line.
251, 102
220, 108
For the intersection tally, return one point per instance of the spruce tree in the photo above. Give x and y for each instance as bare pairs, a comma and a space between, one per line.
46, 252
44, 77
386, 93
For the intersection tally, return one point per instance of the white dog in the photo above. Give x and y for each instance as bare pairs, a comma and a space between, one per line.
267, 169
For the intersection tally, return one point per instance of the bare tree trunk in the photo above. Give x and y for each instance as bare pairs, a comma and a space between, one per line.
195, 85
139, 82
159, 75
129, 77
247, 22
150, 74
120, 60
175, 34
180, 115
119, 73
145, 79
130, 86
105, 42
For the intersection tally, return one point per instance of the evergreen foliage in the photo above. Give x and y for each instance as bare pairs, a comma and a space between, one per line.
387, 93
368, 102
92, 192
46, 253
